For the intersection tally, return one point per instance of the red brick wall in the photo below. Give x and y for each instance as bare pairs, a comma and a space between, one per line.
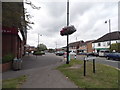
8, 44
89, 47
6, 66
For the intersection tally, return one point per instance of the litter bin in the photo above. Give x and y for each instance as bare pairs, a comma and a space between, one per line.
17, 63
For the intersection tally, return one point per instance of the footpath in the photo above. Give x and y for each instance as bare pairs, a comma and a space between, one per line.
41, 73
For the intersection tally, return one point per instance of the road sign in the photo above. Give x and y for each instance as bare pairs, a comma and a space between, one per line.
89, 58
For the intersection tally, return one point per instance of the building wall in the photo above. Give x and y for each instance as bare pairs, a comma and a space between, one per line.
9, 44
83, 48
89, 47
103, 45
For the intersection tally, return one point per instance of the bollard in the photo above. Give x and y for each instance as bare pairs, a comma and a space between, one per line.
75, 57
84, 67
93, 65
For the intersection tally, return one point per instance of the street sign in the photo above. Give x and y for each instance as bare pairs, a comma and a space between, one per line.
89, 58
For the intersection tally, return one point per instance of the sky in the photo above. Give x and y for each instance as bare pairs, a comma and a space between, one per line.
87, 17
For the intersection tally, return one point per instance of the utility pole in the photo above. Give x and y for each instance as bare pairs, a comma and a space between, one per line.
56, 45
38, 39
67, 62
109, 32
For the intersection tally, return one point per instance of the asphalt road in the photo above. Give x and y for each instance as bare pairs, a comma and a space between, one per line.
102, 60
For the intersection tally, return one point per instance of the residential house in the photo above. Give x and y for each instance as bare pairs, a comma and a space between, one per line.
86, 47
103, 43
75, 46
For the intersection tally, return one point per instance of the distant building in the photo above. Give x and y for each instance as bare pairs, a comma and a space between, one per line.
103, 43
86, 47
74, 47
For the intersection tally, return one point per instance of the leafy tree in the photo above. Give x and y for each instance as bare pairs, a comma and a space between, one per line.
115, 46
14, 13
42, 47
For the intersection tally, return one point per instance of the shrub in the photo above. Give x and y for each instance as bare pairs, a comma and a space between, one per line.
7, 58
38, 53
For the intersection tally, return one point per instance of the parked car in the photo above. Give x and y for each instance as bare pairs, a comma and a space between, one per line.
72, 53
92, 54
82, 53
103, 52
112, 56
60, 53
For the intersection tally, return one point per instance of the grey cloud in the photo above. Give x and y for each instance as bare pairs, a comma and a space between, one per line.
56, 9
88, 19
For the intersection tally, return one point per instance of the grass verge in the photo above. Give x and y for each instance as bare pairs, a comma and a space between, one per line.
105, 76
13, 83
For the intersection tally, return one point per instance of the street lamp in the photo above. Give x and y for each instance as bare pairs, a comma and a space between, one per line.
38, 38
109, 30
56, 45
67, 62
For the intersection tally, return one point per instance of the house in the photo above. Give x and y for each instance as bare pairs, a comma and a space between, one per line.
75, 46
104, 42
86, 47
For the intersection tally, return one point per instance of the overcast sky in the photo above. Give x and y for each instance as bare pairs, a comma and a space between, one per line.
87, 17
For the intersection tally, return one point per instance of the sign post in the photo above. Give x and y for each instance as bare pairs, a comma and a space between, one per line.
89, 58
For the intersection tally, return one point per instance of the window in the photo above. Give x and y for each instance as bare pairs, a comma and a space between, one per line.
108, 43
98, 44
103, 43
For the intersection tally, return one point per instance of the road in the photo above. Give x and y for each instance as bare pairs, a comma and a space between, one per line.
102, 60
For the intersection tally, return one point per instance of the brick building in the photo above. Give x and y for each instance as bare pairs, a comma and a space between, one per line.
86, 47
14, 33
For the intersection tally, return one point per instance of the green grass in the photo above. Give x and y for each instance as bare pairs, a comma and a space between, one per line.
105, 76
13, 83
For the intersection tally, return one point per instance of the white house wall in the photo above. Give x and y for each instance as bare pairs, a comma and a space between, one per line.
103, 44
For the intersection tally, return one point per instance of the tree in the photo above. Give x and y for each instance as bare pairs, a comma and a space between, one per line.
42, 47
14, 14
115, 46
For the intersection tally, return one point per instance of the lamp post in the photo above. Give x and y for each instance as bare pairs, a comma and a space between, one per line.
67, 62
109, 31
38, 38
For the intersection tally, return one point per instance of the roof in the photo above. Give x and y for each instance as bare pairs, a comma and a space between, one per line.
74, 44
82, 44
109, 36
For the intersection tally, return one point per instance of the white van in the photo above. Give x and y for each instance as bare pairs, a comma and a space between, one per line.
103, 52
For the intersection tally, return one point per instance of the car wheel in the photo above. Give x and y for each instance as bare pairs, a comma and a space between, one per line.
108, 58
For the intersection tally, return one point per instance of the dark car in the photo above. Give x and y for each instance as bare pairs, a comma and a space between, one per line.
92, 54
113, 56
82, 53
60, 53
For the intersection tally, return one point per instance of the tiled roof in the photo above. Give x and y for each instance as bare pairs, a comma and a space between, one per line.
109, 36
74, 44
82, 44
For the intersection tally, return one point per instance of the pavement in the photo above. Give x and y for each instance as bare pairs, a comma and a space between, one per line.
41, 72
